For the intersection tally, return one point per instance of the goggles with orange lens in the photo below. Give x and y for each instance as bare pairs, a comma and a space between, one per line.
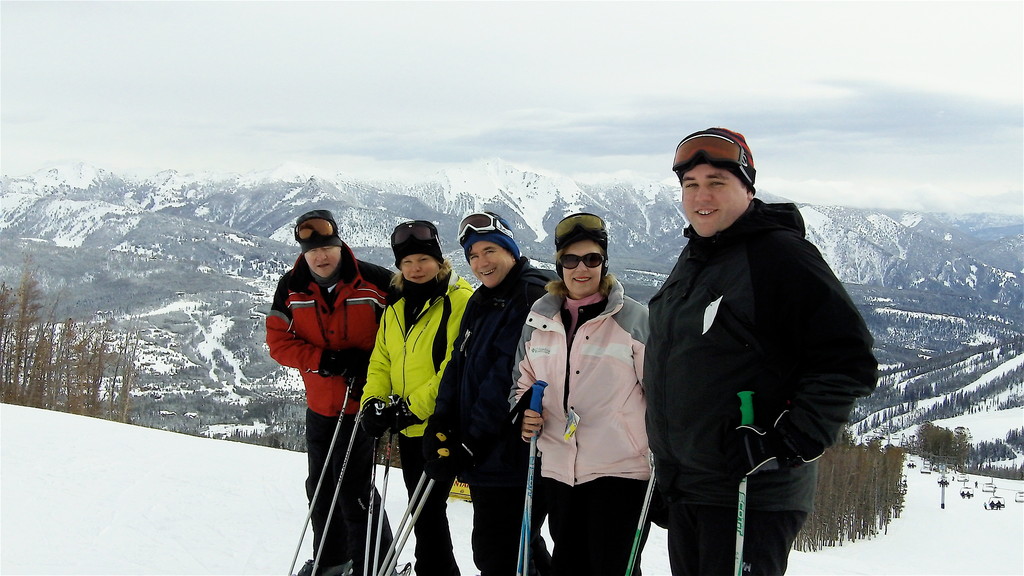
580, 226
588, 222
314, 227
482, 222
715, 150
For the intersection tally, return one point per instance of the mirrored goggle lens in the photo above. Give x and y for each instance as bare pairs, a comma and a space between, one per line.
588, 222
713, 148
418, 230
571, 261
318, 226
481, 222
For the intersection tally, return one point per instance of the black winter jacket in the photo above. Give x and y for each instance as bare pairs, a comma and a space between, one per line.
472, 397
754, 307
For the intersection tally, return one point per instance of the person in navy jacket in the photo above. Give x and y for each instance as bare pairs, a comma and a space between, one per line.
470, 434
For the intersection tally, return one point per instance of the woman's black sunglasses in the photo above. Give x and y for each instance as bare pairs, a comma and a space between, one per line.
571, 261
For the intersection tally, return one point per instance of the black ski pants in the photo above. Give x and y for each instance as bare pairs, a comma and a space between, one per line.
593, 525
346, 536
702, 540
497, 522
434, 556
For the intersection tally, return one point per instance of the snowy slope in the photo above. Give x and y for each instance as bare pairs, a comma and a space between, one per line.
87, 496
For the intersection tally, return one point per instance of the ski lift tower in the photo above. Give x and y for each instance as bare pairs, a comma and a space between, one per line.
943, 482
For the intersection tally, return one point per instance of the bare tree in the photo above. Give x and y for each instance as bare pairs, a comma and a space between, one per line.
79, 367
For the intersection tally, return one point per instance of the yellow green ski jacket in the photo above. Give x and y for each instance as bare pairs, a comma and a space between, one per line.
409, 362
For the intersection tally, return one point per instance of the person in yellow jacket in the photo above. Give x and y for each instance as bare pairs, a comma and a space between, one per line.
414, 344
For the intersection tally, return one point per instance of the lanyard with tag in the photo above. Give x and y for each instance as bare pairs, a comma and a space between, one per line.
572, 421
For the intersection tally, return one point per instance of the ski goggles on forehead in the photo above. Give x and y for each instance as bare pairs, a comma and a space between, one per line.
571, 261
314, 226
710, 147
481, 222
418, 229
588, 222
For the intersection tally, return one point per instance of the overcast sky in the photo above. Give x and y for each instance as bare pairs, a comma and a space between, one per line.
916, 105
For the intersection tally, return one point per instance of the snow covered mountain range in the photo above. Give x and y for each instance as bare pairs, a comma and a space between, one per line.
191, 260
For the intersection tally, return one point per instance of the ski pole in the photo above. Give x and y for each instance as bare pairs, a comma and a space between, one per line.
337, 488
370, 508
643, 519
746, 419
524, 532
391, 560
413, 500
383, 499
316, 493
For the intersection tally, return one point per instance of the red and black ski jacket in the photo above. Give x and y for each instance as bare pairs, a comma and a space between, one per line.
305, 320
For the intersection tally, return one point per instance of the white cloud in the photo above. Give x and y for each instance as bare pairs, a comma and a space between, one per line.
925, 91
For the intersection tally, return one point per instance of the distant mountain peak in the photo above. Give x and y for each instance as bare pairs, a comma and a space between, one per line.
290, 172
76, 176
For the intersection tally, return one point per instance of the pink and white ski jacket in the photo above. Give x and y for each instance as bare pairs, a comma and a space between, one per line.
599, 379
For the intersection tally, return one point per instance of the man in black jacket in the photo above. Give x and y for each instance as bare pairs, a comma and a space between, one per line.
750, 306
472, 411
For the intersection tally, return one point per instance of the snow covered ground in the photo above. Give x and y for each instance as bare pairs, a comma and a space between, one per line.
86, 496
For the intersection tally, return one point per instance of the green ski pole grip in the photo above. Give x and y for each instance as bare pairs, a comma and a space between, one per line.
746, 407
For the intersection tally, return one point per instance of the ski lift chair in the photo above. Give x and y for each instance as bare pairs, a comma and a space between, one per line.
967, 492
961, 477
988, 487
1018, 497
996, 503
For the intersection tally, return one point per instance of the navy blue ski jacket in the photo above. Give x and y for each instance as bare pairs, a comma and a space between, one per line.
472, 398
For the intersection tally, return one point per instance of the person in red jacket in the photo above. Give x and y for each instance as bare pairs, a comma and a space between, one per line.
323, 322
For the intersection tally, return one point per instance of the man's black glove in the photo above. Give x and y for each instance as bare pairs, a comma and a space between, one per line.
437, 435
377, 417
404, 416
798, 448
351, 362
331, 364
444, 456
752, 449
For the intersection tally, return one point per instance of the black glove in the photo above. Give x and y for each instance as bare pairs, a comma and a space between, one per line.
797, 448
377, 417
444, 456
437, 435
351, 362
330, 364
445, 467
403, 415
752, 449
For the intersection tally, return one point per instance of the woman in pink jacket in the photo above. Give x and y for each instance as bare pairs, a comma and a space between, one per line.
586, 339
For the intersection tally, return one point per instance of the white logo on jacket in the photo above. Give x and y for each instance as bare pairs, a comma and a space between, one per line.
709, 314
